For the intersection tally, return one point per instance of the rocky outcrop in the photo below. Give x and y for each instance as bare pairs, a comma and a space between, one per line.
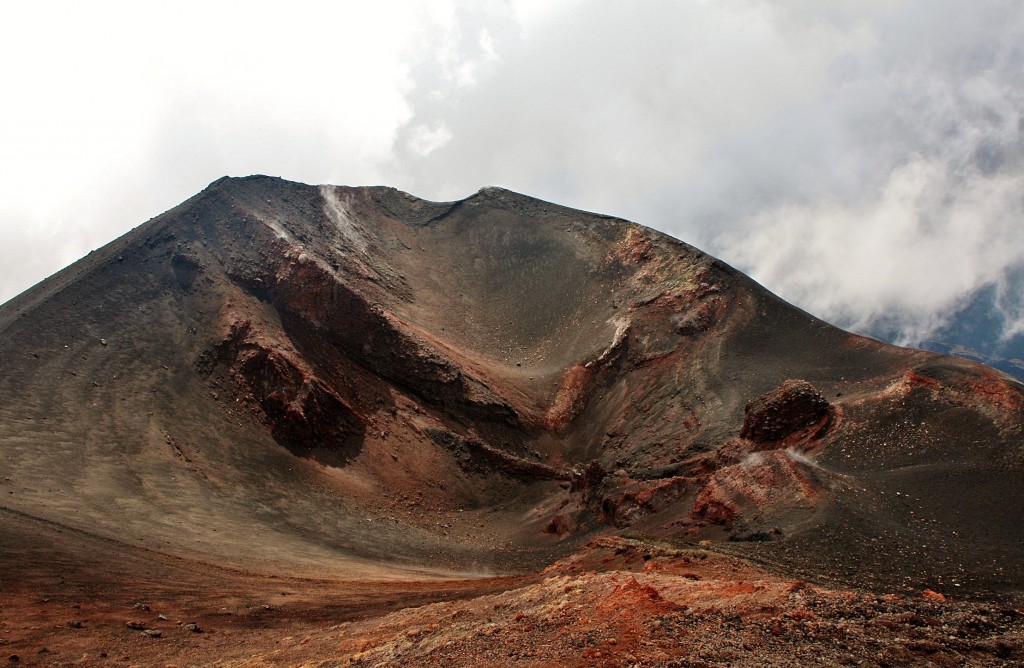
761, 473
984, 390
475, 456
318, 307
793, 411
764, 486
304, 413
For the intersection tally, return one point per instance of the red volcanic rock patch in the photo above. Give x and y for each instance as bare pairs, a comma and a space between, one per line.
636, 597
570, 398
700, 316
793, 411
699, 308
764, 484
635, 248
649, 606
640, 498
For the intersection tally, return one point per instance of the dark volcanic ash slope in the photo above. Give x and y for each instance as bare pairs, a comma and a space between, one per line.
281, 376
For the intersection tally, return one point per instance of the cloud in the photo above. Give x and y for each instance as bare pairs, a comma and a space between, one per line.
862, 158
424, 140
116, 111
896, 192
898, 261
1010, 300
610, 101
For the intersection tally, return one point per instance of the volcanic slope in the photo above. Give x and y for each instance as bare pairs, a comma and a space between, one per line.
316, 381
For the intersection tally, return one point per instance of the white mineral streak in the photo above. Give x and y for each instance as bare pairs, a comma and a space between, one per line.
338, 212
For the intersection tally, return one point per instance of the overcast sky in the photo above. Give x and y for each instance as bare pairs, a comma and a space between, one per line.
862, 158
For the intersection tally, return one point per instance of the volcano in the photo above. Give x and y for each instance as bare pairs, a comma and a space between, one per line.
277, 408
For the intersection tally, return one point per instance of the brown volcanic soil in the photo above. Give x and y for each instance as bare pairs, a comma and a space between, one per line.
341, 402
616, 602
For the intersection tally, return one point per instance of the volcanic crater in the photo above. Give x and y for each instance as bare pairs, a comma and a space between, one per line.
305, 407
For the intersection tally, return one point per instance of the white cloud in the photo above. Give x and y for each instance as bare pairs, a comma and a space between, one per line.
862, 157
617, 102
424, 140
924, 243
116, 111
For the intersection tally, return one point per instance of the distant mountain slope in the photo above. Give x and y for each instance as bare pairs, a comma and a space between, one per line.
977, 332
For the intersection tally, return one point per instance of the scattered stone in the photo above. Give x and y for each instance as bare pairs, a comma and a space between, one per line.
75, 624
930, 595
192, 626
138, 626
560, 525
152, 633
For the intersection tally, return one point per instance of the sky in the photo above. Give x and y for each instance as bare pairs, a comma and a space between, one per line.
863, 159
